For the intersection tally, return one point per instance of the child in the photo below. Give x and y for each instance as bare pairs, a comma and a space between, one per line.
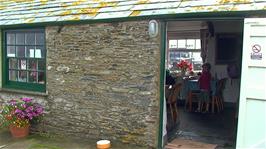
205, 86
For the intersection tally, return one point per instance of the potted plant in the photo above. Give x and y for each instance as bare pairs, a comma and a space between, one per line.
19, 114
184, 66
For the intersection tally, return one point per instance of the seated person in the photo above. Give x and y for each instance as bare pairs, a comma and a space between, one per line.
205, 86
169, 80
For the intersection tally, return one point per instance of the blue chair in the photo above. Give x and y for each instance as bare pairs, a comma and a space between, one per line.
193, 92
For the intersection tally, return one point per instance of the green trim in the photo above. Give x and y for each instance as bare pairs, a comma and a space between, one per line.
25, 86
20, 85
200, 15
162, 76
1, 60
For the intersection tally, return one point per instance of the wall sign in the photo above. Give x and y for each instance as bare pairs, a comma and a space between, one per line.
256, 52
23, 64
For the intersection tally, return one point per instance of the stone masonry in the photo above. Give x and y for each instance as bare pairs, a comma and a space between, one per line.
103, 82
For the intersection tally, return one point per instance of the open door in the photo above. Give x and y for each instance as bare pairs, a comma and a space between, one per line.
252, 105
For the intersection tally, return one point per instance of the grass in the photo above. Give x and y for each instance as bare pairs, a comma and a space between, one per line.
43, 146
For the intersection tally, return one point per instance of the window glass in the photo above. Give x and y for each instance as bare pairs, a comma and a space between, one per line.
39, 52
13, 75
20, 51
10, 38
181, 43
41, 77
30, 39
40, 39
22, 64
172, 43
198, 44
190, 44
20, 39
196, 61
41, 65
30, 51
32, 64
13, 64
11, 51
32, 76
22, 76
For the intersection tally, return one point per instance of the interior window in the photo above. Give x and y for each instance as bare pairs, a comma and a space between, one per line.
184, 49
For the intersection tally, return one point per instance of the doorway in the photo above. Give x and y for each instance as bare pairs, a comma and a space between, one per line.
190, 44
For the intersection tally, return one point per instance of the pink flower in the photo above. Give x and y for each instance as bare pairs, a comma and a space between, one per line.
21, 112
26, 99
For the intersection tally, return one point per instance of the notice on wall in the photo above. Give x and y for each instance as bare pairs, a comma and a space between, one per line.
256, 53
32, 53
38, 53
23, 64
11, 55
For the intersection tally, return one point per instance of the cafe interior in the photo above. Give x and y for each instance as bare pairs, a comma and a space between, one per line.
212, 117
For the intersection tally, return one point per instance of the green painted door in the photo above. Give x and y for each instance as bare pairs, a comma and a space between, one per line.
252, 105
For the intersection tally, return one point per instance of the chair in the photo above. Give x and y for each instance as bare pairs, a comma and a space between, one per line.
172, 100
217, 95
193, 93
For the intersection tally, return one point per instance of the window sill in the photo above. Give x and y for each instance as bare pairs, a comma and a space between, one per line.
24, 92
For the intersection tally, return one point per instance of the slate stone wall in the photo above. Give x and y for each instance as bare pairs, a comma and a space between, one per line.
103, 81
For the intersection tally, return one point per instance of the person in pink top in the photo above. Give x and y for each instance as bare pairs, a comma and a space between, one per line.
205, 86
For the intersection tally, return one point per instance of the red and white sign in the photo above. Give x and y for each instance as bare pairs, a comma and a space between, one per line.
256, 52
256, 48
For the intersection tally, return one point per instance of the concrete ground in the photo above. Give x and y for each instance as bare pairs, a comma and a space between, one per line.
34, 141
218, 128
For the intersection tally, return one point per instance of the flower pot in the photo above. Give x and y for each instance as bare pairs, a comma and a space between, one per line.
19, 132
183, 73
103, 144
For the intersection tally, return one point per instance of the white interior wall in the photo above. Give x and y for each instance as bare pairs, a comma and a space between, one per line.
232, 88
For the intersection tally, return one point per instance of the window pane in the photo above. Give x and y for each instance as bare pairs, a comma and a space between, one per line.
10, 38
22, 64
13, 63
22, 76
20, 51
197, 61
11, 51
181, 43
32, 76
41, 65
39, 38
41, 77
13, 75
172, 43
198, 44
39, 52
20, 39
30, 39
190, 44
30, 51
32, 65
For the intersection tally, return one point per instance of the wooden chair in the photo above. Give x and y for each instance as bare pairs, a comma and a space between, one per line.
193, 96
217, 96
172, 100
